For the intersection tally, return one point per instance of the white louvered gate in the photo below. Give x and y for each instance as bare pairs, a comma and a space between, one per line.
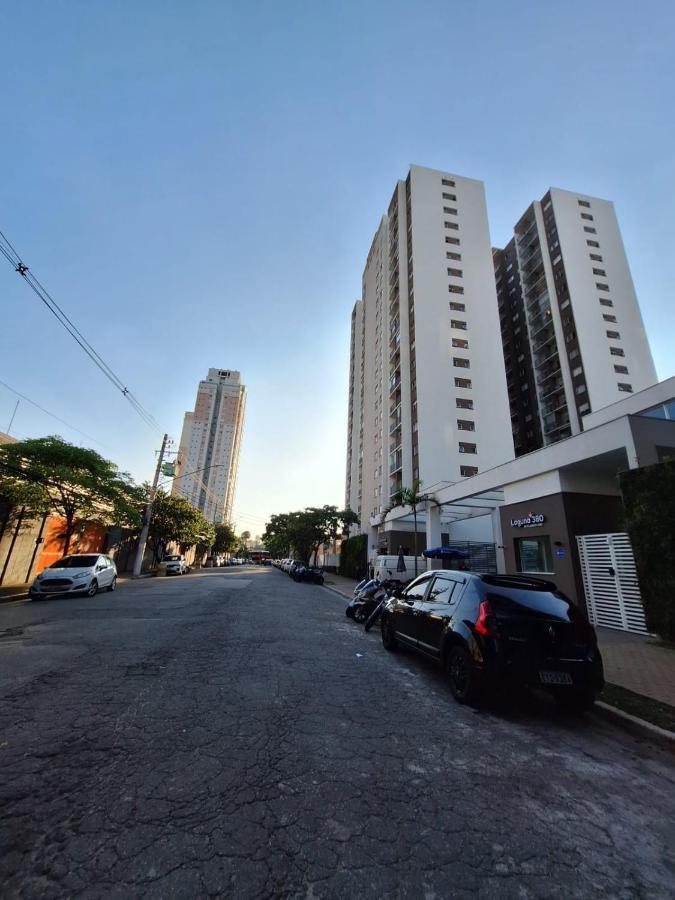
610, 582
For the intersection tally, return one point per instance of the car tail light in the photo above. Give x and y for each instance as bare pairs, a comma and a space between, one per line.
486, 623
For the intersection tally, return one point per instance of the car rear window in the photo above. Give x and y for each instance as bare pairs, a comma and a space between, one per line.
520, 600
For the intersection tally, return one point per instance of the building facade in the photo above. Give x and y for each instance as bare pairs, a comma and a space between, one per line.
573, 337
208, 457
427, 401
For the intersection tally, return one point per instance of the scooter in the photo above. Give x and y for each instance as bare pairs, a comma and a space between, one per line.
392, 589
374, 594
362, 591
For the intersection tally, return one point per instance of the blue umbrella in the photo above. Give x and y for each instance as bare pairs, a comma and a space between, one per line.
400, 565
446, 553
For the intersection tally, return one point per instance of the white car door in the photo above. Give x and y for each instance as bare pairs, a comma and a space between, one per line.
103, 572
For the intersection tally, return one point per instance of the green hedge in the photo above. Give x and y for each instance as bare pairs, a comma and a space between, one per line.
354, 557
649, 502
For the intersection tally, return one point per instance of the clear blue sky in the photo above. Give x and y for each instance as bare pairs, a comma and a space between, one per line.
198, 185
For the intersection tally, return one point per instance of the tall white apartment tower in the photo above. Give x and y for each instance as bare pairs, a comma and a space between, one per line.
208, 458
573, 335
428, 399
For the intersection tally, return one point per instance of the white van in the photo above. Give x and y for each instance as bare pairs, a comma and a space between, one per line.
384, 567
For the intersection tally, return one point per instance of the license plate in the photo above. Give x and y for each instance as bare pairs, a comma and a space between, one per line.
555, 678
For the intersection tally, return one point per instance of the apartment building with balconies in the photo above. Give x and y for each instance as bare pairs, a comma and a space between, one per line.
434, 402
573, 337
210, 445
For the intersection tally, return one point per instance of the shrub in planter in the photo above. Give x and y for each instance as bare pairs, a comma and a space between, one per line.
649, 509
353, 557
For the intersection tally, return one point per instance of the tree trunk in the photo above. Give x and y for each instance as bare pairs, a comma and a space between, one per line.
70, 530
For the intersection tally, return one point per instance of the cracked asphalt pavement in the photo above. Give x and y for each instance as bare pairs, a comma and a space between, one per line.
231, 733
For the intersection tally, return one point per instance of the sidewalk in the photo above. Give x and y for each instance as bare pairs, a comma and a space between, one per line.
340, 585
640, 664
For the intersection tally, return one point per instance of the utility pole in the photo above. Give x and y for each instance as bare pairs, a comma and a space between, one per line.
11, 421
143, 539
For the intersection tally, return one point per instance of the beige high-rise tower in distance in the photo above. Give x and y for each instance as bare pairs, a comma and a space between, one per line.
208, 459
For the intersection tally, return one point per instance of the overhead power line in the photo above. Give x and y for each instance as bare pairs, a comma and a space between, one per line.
53, 415
14, 259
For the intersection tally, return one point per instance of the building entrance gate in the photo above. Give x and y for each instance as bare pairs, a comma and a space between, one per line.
610, 582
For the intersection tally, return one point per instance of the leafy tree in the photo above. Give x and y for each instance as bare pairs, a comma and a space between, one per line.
304, 531
413, 498
226, 540
649, 518
175, 520
50, 475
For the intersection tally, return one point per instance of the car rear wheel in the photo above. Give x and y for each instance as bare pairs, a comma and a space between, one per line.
113, 584
389, 641
92, 590
462, 675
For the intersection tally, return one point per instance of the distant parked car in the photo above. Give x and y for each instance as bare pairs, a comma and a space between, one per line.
78, 573
173, 565
489, 631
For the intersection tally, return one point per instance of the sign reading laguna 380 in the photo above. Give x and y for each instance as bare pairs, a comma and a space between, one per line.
529, 521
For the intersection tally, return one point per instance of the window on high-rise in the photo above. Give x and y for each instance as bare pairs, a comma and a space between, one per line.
466, 425
462, 363
589, 230
455, 273
584, 203
447, 182
621, 370
468, 471
467, 448
627, 388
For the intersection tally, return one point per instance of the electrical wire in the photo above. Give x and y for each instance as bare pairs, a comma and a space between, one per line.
53, 415
13, 257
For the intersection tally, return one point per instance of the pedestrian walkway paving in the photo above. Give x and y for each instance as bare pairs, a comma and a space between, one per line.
13, 591
641, 664
344, 586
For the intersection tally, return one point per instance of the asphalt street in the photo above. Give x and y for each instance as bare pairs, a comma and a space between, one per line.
231, 733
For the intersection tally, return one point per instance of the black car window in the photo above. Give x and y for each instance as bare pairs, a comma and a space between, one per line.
417, 590
442, 591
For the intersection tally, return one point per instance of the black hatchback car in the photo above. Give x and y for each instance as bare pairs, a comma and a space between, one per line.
491, 631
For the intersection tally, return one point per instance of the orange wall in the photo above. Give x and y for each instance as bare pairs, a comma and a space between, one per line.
91, 541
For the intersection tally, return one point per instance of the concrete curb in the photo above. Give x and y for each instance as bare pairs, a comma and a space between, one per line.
334, 590
634, 725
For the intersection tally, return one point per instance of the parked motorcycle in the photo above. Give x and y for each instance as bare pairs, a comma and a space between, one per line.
368, 598
391, 589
